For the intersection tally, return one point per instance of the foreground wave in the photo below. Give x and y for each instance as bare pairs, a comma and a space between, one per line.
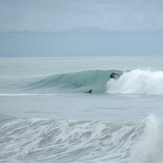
130, 82
60, 141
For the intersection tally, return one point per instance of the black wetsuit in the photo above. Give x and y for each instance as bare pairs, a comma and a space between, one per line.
90, 91
112, 75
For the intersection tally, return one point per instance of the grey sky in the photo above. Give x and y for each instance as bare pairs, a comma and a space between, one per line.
58, 15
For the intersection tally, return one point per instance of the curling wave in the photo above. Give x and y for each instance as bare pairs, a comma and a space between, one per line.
95, 79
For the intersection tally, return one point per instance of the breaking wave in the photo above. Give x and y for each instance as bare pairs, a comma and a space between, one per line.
60, 141
138, 82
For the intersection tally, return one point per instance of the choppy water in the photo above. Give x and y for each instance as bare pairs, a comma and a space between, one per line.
46, 116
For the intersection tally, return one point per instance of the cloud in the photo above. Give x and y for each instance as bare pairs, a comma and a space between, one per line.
55, 15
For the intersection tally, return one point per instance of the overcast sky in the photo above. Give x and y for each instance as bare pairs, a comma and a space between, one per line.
58, 15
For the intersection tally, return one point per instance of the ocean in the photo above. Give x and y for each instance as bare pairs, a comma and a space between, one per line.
46, 116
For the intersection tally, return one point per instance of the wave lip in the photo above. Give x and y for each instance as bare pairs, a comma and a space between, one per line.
138, 82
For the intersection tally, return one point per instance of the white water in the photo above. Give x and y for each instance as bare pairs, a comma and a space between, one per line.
44, 140
138, 82
149, 148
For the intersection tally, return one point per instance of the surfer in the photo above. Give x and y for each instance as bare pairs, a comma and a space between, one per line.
112, 75
90, 91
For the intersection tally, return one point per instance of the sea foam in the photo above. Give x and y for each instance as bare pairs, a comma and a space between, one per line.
149, 147
48, 140
137, 82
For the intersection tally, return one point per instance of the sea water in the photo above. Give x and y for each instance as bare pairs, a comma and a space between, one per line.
46, 116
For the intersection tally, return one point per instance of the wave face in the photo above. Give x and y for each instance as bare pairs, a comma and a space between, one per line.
60, 141
93, 79
138, 82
